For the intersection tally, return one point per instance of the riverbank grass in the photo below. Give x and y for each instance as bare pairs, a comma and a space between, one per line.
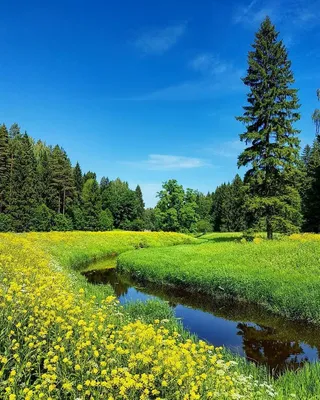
282, 275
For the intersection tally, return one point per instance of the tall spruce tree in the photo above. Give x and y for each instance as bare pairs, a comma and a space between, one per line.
62, 183
91, 200
140, 202
78, 182
4, 167
237, 205
24, 196
273, 145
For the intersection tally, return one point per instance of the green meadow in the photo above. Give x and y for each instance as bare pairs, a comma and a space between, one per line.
282, 275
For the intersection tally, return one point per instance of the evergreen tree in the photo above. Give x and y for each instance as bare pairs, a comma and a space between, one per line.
43, 218
140, 202
14, 131
62, 223
89, 175
62, 183
238, 212
104, 183
4, 167
43, 154
105, 220
78, 182
306, 153
91, 204
24, 196
204, 206
218, 210
273, 145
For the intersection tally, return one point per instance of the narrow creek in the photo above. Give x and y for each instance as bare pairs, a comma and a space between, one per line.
245, 329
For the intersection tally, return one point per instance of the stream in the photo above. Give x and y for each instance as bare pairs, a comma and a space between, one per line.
245, 329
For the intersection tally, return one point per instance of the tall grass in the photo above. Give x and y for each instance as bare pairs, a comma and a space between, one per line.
61, 338
283, 275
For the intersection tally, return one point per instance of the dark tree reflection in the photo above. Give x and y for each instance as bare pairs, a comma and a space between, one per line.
263, 346
119, 286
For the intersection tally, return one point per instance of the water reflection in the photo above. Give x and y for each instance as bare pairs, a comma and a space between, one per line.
261, 344
243, 328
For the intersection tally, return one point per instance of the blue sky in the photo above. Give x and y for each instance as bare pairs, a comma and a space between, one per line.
146, 90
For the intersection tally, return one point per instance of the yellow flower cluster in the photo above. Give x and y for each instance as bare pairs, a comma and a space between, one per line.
305, 237
55, 343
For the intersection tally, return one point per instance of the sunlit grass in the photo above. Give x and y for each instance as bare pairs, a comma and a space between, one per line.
58, 342
62, 338
282, 275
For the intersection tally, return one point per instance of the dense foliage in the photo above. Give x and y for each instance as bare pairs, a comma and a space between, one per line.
41, 191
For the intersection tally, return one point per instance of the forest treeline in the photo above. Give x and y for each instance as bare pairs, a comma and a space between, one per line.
40, 190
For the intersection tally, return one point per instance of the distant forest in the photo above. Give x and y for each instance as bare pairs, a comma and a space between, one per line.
41, 191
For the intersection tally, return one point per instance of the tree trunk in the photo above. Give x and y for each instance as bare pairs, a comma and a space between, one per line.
269, 229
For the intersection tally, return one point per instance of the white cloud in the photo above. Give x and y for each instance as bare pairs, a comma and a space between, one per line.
292, 15
230, 149
254, 13
169, 162
218, 78
207, 63
243, 12
158, 41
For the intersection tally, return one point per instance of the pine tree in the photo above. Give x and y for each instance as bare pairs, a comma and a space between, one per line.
140, 202
14, 131
219, 207
4, 167
43, 154
78, 182
273, 145
62, 183
89, 175
104, 183
91, 200
24, 196
306, 153
237, 205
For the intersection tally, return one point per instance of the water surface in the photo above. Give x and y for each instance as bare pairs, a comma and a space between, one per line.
245, 329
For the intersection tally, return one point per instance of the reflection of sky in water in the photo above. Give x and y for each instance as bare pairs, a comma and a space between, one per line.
261, 343
310, 352
134, 295
215, 330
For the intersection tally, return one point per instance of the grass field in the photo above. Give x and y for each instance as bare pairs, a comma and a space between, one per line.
282, 275
58, 341
62, 338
